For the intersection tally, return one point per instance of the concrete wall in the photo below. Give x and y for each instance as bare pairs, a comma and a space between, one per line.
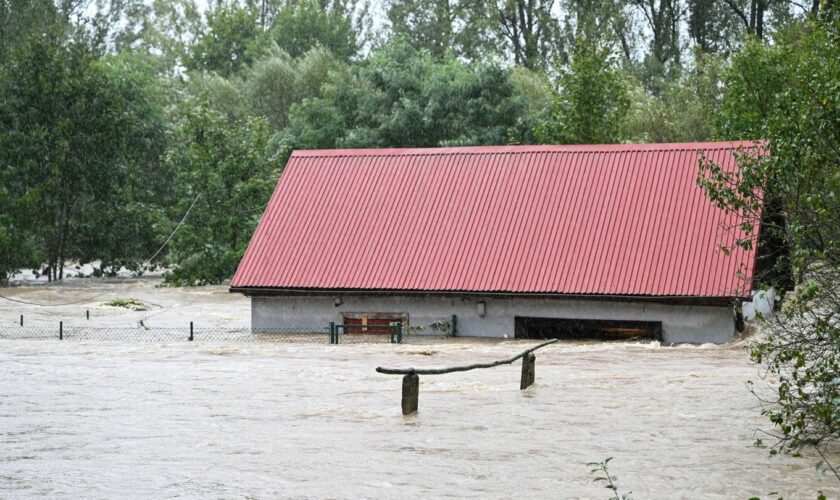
694, 324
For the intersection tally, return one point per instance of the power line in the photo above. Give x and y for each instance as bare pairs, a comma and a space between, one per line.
181, 223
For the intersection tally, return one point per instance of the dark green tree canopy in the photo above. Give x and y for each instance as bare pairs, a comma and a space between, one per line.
77, 132
591, 103
230, 42
401, 97
302, 25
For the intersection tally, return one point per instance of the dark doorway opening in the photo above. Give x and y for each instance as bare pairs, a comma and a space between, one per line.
600, 329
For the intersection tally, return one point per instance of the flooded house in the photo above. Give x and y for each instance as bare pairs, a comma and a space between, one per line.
606, 241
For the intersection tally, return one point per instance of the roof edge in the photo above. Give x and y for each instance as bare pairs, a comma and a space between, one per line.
568, 148
280, 291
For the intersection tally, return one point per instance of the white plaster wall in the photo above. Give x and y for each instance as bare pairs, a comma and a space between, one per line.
693, 324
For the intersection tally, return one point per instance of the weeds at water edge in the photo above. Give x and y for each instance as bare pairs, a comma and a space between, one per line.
602, 470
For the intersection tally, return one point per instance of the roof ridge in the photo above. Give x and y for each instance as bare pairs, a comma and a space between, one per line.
523, 149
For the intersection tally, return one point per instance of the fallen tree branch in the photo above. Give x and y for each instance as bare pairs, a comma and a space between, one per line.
452, 369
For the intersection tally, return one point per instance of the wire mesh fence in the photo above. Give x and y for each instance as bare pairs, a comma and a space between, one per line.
156, 334
313, 334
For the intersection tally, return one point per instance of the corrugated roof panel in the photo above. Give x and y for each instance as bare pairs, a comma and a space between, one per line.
611, 220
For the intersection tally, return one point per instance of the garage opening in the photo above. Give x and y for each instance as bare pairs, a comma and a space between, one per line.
600, 329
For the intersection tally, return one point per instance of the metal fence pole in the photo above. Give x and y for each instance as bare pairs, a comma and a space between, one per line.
21, 320
332, 332
60, 330
392, 329
87, 314
399, 332
191, 331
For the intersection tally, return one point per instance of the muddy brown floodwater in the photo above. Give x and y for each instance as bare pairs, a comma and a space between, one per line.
126, 419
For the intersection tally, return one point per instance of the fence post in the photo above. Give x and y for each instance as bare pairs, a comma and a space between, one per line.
399, 332
21, 320
338, 333
528, 373
392, 330
410, 393
60, 330
332, 332
87, 314
454, 325
191, 331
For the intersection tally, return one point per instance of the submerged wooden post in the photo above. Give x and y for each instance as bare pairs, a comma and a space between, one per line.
528, 373
410, 393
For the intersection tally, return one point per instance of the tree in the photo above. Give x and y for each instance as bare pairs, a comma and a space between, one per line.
277, 82
756, 86
609, 22
801, 172
663, 20
231, 41
752, 15
302, 25
440, 26
399, 98
18, 245
755, 90
534, 93
529, 31
712, 26
591, 102
79, 134
165, 28
685, 109
19, 19
226, 173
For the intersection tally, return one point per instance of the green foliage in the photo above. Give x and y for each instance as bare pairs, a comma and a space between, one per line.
303, 25
79, 133
228, 96
592, 101
602, 472
797, 113
277, 82
225, 172
133, 304
755, 88
535, 93
164, 29
18, 247
444, 27
232, 40
20, 19
685, 110
400, 97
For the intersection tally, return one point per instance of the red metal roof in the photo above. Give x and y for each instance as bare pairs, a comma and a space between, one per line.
604, 220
